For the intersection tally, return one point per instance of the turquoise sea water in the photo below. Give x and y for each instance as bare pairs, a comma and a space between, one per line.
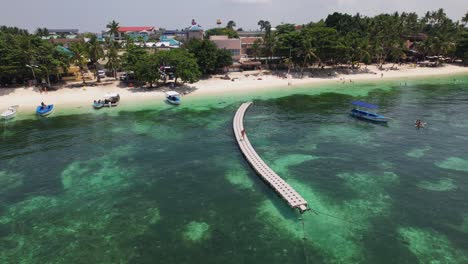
167, 184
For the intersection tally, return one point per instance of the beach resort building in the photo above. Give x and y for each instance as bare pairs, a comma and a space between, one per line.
135, 32
66, 42
255, 33
232, 45
246, 46
174, 34
166, 43
63, 33
195, 32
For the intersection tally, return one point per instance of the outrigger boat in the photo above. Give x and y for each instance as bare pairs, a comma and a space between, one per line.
10, 113
45, 110
98, 104
173, 97
365, 115
109, 100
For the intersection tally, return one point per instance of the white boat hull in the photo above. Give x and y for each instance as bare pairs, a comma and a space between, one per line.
8, 116
10, 113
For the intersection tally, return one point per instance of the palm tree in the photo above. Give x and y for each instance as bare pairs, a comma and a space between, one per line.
113, 59
268, 41
95, 53
267, 27
465, 19
45, 32
308, 52
261, 23
39, 32
288, 61
113, 27
80, 56
256, 48
231, 24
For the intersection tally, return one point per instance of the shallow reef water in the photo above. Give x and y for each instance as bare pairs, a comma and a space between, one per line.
169, 184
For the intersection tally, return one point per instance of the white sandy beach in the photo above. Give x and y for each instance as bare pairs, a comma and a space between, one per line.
29, 98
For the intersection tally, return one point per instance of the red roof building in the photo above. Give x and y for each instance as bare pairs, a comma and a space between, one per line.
135, 29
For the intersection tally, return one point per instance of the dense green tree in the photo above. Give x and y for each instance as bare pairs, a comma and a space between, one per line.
147, 69
42, 32
184, 64
223, 58
231, 33
338, 39
462, 47
209, 58
16, 51
13, 31
231, 25
50, 60
288, 42
133, 54
24, 56
343, 23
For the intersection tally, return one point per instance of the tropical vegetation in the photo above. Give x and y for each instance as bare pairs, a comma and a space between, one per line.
336, 40
346, 39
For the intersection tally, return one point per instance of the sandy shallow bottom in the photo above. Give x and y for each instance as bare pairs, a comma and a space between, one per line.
144, 182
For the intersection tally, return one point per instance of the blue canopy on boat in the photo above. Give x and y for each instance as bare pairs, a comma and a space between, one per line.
364, 104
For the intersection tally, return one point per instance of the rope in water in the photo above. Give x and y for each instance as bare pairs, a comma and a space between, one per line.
304, 239
335, 217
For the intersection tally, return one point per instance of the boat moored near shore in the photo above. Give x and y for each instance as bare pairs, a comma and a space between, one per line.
109, 100
10, 113
173, 97
366, 115
45, 110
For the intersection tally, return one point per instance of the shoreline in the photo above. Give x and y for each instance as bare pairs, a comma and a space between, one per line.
245, 83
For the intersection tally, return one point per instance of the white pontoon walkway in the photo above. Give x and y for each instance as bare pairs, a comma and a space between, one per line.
293, 198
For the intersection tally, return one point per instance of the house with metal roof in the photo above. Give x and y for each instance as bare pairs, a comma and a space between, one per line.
135, 32
195, 32
168, 42
63, 31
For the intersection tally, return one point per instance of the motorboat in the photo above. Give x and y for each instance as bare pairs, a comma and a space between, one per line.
173, 97
10, 113
366, 115
98, 104
109, 100
45, 110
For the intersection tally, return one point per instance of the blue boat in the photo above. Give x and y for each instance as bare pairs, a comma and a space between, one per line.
45, 110
365, 115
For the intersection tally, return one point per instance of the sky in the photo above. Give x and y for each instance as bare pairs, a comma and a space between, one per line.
93, 15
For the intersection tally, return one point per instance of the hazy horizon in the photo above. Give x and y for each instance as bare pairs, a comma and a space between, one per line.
87, 15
